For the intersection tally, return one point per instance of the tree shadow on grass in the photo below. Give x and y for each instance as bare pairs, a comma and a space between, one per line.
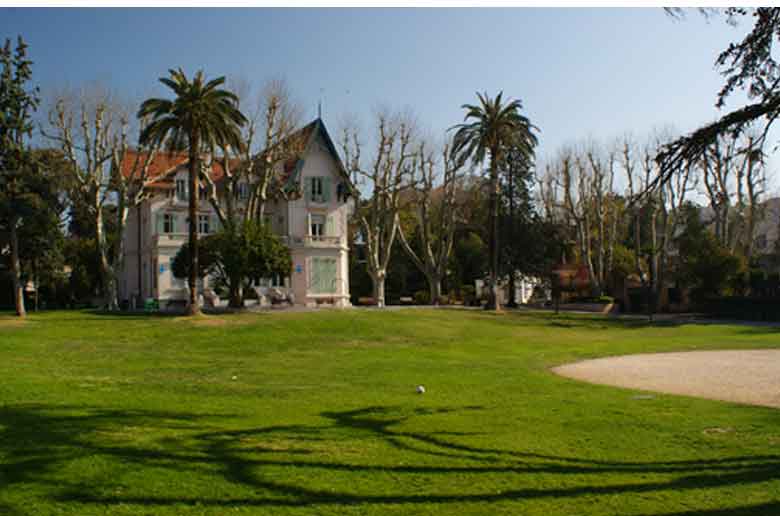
772, 508
36, 442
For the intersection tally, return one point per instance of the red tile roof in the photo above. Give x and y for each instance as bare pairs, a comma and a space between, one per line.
163, 163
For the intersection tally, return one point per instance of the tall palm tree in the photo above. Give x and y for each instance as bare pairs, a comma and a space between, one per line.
491, 129
200, 117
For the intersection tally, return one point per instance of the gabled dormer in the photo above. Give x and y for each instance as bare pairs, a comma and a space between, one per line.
333, 186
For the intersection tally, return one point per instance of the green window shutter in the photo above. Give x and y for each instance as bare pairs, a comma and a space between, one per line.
326, 189
314, 276
215, 226
323, 276
318, 273
307, 188
330, 226
159, 221
332, 264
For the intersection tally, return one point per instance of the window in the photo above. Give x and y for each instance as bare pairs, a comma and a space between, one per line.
203, 224
342, 192
169, 223
317, 225
318, 189
181, 189
243, 191
202, 194
322, 278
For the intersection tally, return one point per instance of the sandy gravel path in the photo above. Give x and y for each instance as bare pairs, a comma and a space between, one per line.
743, 376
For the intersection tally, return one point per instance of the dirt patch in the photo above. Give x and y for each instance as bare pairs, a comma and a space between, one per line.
751, 377
212, 321
717, 430
11, 322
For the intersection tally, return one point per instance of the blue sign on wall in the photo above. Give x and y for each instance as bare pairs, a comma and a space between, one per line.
298, 269
162, 268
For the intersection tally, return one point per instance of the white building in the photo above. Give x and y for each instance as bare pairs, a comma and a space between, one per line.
524, 289
313, 223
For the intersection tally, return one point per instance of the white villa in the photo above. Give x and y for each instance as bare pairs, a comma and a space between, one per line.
313, 224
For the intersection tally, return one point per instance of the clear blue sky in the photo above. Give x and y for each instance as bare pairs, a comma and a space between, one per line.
579, 72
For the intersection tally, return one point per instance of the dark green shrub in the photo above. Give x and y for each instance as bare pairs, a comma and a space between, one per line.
422, 297
744, 308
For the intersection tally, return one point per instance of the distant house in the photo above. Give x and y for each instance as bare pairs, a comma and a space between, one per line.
524, 289
313, 224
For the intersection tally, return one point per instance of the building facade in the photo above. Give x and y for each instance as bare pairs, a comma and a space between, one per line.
313, 224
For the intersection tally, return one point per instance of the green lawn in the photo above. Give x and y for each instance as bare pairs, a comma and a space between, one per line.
142, 415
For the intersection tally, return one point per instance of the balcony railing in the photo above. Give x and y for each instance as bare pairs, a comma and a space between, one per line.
314, 241
319, 240
177, 239
170, 238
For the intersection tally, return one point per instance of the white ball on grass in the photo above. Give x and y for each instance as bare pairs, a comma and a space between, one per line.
420, 389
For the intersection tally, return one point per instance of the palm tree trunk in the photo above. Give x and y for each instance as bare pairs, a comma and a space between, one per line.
194, 162
16, 270
512, 302
493, 303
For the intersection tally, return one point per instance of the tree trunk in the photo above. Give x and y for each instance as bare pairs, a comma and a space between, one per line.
16, 270
512, 303
117, 269
35, 284
194, 165
107, 276
653, 268
112, 293
236, 295
378, 281
493, 303
434, 288
109, 282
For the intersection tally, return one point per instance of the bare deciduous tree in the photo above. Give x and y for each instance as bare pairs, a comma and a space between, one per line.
273, 116
583, 179
660, 203
389, 173
734, 179
434, 206
91, 127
